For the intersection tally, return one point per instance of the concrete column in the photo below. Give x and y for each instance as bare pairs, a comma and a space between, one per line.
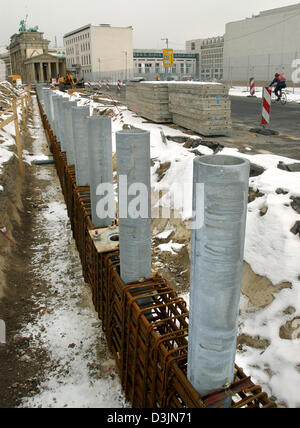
40, 93
45, 92
220, 198
55, 100
100, 166
60, 123
68, 130
133, 164
51, 110
41, 73
57, 69
49, 71
32, 73
80, 137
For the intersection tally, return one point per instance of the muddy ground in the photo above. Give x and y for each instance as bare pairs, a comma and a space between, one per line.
17, 308
26, 275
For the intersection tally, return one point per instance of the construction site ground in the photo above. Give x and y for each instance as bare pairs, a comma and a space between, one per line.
37, 282
37, 279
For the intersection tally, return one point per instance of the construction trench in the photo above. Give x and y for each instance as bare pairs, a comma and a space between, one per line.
146, 323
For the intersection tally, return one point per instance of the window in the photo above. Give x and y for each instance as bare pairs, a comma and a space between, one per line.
148, 68
193, 46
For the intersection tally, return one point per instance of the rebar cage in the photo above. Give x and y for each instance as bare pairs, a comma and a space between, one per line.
146, 323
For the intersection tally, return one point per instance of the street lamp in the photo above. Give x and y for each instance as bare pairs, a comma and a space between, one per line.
126, 73
99, 61
167, 42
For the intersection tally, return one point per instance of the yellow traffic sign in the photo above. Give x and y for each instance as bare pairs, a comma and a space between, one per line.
168, 57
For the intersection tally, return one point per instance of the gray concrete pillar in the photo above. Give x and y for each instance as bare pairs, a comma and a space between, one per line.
57, 69
39, 91
60, 123
68, 130
80, 137
220, 198
100, 168
133, 164
32, 73
55, 100
41, 72
51, 109
45, 92
48, 71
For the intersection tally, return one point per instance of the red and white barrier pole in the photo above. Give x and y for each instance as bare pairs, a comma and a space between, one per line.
89, 84
266, 106
119, 85
100, 84
107, 85
252, 86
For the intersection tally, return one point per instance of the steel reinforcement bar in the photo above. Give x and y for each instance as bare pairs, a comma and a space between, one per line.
150, 344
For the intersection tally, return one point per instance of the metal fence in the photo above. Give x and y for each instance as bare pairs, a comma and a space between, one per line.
124, 75
261, 67
111, 76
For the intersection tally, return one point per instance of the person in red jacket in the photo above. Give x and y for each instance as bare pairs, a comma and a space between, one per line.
280, 81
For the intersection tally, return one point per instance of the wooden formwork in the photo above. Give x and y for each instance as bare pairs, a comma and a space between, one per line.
146, 323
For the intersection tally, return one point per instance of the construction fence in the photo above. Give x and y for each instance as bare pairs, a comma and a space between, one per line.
150, 351
262, 67
10, 115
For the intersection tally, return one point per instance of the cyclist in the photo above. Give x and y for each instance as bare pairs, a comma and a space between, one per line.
280, 81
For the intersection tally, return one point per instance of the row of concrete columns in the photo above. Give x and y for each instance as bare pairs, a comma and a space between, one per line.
87, 142
33, 68
219, 203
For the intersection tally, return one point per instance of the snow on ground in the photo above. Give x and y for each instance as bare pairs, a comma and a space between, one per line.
271, 250
7, 133
171, 247
6, 143
5, 156
68, 326
293, 94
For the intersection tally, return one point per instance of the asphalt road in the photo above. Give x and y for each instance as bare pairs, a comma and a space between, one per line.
284, 118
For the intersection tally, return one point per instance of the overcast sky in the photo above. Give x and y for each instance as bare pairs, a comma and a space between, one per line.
152, 20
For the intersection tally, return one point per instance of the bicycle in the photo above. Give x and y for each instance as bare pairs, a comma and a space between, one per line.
282, 100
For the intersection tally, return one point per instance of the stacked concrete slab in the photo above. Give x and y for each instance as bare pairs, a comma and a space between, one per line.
201, 107
149, 100
132, 95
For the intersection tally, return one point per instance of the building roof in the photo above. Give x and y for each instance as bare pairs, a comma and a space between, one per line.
283, 9
86, 27
78, 30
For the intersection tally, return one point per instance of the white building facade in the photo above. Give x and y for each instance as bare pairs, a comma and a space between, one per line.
210, 52
262, 45
148, 63
99, 52
5, 68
